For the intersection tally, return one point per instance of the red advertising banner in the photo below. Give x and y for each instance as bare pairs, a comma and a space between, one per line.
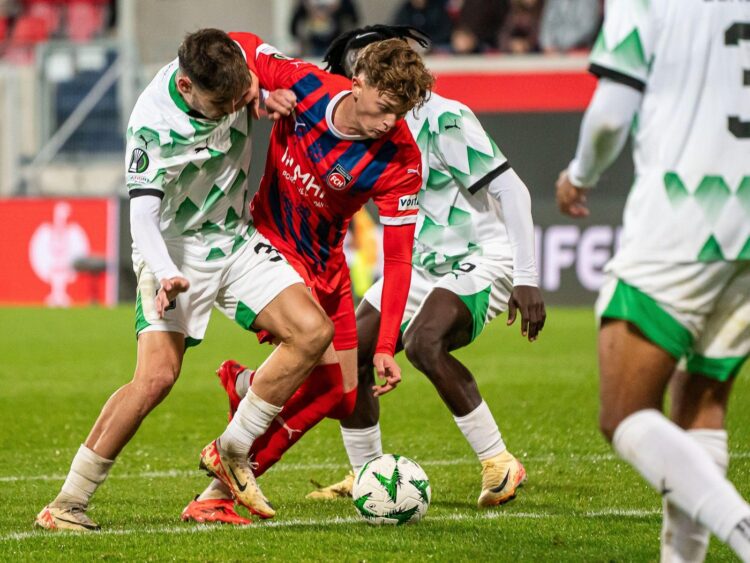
519, 91
58, 252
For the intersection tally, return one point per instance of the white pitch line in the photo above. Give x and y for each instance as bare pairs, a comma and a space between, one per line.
203, 528
283, 467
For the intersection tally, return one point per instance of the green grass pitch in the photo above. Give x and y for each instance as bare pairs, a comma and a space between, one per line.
580, 504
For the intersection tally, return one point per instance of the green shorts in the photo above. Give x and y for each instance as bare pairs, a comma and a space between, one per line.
483, 283
240, 286
697, 312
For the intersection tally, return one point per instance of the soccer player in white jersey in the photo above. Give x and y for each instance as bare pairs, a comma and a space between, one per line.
473, 260
678, 288
188, 147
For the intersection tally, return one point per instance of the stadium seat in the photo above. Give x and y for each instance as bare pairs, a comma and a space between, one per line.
26, 33
29, 30
47, 11
84, 21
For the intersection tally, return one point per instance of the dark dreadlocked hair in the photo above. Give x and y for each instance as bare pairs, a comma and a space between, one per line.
342, 52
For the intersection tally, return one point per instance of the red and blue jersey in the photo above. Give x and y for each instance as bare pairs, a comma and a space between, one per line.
315, 177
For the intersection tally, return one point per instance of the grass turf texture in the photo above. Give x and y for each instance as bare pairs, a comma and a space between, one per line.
580, 504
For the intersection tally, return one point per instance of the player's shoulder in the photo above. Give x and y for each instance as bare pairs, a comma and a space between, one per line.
438, 112
403, 140
157, 104
402, 159
332, 83
436, 105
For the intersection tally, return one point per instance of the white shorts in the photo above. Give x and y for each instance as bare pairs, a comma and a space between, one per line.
240, 286
698, 312
483, 283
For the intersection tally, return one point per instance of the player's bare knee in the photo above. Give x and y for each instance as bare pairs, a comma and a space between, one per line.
365, 375
153, 386
423, 348
365, 354
312, 333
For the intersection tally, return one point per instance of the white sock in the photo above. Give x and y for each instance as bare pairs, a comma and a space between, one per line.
739, 539
252, 419
87, 471
682, 539
481, 431
216, 490
670, 460
242, 383
362, 444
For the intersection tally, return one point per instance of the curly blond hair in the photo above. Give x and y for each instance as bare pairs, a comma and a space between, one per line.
396, 70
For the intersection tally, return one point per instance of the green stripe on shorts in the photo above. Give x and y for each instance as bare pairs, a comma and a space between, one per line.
478, 304
722, 369
631, 304
245, 316
140, 319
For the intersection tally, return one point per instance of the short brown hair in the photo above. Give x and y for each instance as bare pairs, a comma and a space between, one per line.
214, 63
395, 69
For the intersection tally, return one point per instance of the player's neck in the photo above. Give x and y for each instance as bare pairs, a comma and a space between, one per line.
344, 116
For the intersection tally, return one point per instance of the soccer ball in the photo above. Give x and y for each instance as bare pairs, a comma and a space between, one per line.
391, 489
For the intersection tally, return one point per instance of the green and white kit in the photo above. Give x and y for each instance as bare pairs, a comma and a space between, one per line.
461, 241
199, 168
483, 283
685, 246
240, 286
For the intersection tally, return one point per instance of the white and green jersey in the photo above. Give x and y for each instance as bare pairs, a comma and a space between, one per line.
457, 217
199, 168
691, 59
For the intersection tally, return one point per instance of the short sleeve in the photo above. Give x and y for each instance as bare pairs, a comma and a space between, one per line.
466, 149
397, 196
624, 48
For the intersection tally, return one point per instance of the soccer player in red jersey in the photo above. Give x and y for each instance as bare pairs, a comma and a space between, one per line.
343, 144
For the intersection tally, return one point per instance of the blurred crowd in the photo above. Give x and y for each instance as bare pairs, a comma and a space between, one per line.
455, 26
463, 26
24, 23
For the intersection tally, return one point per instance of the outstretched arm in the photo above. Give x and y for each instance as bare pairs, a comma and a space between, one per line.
397, 248
604, 131
526, 298
273, 69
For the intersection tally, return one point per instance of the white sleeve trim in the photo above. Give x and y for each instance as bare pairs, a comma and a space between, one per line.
266, 49
604, 131
147, 237
405, 220
515, 201
244, 54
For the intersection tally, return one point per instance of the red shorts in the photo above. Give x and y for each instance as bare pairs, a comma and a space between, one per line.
333, 293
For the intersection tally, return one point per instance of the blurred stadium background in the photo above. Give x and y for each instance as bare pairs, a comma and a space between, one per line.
71, 70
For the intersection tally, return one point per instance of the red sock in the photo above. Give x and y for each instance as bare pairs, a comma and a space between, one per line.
311, 403
346, 407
